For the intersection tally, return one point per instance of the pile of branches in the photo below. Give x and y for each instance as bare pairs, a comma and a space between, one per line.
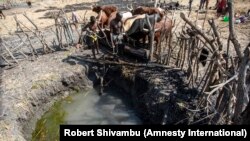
27, 41
224, 85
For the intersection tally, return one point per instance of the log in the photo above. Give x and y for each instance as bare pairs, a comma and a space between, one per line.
106, 62
140, 53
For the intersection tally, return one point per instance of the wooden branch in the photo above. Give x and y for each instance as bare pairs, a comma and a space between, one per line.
150, 65
203, 25
215, 30
218, 86
32, 47
25, 15
233, 37
198, 31
151, 28
6, 60
10, 53
242, 91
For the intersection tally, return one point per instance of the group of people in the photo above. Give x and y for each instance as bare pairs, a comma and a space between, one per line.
91, 39
220, 6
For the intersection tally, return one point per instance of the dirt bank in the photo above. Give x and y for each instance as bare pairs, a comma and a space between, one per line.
30, 88
161, 96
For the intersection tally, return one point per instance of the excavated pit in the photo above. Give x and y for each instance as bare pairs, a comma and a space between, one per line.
156, 95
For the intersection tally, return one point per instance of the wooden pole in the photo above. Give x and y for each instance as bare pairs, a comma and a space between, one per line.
151, 34
233, 37
242, 90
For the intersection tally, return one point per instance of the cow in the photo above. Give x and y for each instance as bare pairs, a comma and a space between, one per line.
107, 9
103, 13
163, 29
146, 10
1, 14
102, 19
125, 16
139, 29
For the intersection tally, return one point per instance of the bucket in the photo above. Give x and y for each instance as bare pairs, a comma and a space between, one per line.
225, 18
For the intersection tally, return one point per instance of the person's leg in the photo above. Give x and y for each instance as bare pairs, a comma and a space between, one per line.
97, 46
93, 51
190, 5
203, 3
207, 2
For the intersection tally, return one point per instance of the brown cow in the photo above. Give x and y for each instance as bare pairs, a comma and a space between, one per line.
108, 9
147, 10
164, 28
104, 13
102, 19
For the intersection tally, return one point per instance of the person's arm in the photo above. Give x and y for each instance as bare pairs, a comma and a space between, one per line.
82, 30
85, 27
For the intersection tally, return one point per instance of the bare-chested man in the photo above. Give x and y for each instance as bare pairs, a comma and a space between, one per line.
91, 38
116, 29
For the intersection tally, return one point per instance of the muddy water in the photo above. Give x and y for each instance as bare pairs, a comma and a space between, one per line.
90, 108
86, 108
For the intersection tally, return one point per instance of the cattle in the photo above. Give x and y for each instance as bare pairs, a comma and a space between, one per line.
102, 19
163, 29
103, 13
107, 9
1, 14
125, 16
130, 21
146, 10
139, 23
139, 28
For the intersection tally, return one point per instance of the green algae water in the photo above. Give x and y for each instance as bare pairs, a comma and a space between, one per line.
86, 108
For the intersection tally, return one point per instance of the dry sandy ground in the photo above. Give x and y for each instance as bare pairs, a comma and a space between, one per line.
37, 17
241, 6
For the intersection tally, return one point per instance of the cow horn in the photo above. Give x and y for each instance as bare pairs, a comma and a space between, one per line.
91, 6
130, 9
157, 29
146, 30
